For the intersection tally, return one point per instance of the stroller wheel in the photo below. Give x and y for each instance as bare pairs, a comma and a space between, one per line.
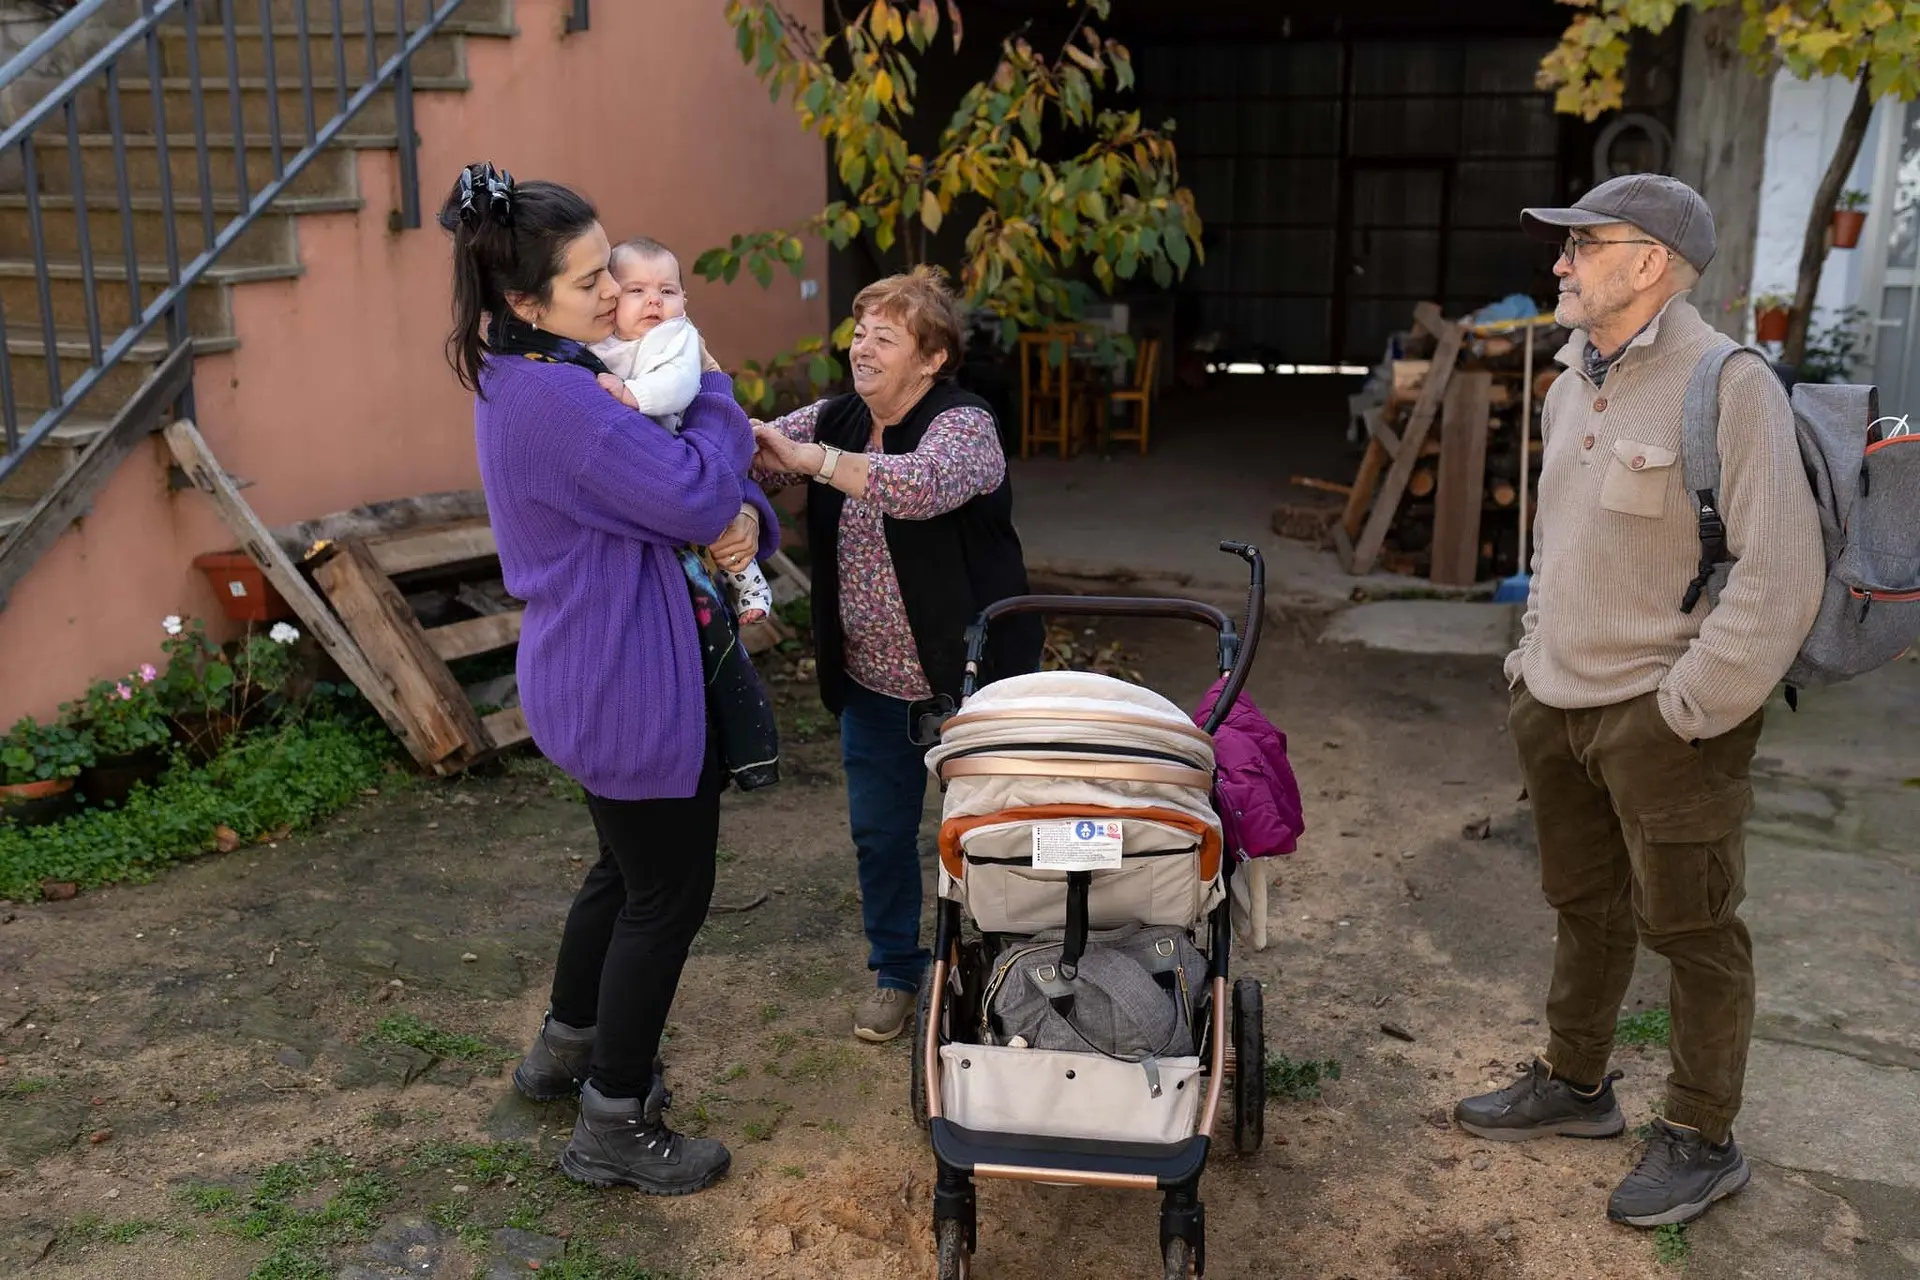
955, 1263
1179, 1260
1250, 1067
917, 1073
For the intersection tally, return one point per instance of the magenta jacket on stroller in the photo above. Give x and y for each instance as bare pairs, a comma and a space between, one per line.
1254, 787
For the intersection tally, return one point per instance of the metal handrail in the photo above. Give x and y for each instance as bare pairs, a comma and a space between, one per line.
104, 67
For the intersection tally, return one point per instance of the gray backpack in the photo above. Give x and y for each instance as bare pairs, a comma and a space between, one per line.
1867, 489
1131, 996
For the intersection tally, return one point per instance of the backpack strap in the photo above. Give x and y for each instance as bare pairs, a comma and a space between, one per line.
1700, 460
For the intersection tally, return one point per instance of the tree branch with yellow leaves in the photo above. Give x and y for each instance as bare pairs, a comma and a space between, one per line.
1038, 214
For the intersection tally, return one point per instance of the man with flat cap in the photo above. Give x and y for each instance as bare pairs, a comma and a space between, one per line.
1635, 721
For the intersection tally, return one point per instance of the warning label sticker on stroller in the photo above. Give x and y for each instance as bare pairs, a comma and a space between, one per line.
1083, 844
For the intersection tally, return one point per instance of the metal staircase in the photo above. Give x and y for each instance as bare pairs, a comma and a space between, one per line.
168, 169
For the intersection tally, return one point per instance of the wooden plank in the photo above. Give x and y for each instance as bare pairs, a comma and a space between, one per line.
459, 640
1377, 428
1365, 481
1429, 317
431, 548
1463, 476
377, 519
1366, 547
191, 451
506, 728
387, 632
71, 497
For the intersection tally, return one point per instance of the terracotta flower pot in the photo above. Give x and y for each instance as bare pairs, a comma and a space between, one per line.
34, 804
112, 780
1770, 326
1846, 227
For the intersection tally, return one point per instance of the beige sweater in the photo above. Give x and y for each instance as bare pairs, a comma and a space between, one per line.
1617, 539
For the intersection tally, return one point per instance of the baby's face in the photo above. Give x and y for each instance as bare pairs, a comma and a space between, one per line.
650, 292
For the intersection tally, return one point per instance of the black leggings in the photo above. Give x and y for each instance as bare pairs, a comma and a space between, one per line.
632, 923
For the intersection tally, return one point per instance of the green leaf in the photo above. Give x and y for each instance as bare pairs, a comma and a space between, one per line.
930, 211
710, 264
762, 270
791, 249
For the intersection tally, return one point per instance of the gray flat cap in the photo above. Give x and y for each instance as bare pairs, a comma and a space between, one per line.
1665, 208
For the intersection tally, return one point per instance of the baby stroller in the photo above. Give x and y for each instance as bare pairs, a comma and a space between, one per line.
1083, 1033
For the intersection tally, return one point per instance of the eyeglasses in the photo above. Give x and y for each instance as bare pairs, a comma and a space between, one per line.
1571, 249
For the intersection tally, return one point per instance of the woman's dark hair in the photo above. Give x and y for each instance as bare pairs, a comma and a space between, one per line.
508, 238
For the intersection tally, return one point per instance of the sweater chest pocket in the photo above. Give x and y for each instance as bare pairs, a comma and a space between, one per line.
1637, 479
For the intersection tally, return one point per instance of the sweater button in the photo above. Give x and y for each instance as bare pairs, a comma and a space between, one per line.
1587, 443
1600, 405
1639, 461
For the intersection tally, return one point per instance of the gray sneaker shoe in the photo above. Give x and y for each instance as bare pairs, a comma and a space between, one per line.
883, 1015
556, 1065
626, 1142
1679, 1176
1540, 1105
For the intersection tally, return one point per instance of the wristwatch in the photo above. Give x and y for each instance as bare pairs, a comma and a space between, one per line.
828, 465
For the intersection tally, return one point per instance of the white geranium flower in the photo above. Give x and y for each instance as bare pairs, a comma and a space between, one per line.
172, 624
283, 634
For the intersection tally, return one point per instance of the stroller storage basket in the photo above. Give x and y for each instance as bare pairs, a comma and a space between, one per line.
994, 1089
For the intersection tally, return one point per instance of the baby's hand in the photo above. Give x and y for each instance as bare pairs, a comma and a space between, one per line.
751, 616
617, 389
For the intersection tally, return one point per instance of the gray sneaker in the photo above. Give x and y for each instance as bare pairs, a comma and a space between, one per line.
556, 1063
626, 1142
883, 1015
1538, 1105
1679, 1176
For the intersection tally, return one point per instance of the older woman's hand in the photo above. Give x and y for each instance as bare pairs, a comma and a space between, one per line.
734, 548
777, 453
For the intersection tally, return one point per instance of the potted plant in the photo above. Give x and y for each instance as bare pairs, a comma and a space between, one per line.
130, 734
1771, 312
210, 694
1848, 218
38, 764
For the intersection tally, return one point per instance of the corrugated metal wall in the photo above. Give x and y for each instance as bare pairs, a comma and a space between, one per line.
1341, 182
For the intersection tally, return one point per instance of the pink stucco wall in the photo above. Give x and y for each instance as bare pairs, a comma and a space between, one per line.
339, 394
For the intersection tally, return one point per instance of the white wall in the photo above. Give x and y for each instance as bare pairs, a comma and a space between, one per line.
1801, 135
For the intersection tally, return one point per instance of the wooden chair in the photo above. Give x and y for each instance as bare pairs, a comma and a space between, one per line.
1047, 408
1139, 397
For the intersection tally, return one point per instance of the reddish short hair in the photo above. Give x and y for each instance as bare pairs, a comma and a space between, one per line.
921, 299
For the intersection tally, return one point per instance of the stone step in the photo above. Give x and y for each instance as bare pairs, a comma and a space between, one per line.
209, 313
177, 100
324, 13
443, 55
50, 460
332, 173
28, 358
272, 237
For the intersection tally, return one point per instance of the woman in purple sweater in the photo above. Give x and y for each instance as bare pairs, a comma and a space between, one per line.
590, 501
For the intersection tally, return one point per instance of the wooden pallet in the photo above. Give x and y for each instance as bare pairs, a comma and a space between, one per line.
366, 624
1375, 499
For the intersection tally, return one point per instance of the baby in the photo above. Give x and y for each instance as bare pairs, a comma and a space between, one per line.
655, 353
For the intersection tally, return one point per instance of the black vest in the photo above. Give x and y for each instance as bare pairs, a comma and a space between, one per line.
949, 567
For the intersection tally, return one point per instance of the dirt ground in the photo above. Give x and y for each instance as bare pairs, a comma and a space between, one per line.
202, 1077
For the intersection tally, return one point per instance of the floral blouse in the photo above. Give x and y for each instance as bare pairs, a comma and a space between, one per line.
958, 459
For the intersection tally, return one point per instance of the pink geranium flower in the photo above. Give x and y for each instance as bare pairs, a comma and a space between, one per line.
148, 673
124, 692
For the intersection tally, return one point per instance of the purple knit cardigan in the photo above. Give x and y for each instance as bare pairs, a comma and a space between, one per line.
588, 500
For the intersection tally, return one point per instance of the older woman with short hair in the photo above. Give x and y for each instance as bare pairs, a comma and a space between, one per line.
909, 525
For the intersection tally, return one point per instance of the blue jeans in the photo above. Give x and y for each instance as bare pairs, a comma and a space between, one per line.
886, 788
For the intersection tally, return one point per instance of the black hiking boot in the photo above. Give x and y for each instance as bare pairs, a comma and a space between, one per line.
1540, 1105
1679, 1176
556, 1065
626, 1142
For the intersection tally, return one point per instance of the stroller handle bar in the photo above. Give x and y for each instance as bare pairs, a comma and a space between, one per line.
1236, 649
